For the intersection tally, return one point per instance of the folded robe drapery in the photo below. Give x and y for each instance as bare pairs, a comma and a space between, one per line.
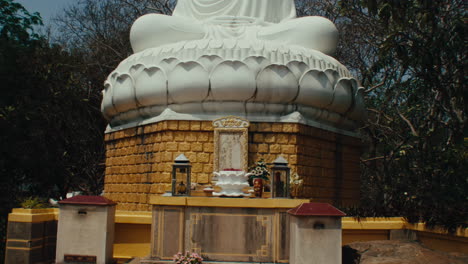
269, 11
263, 20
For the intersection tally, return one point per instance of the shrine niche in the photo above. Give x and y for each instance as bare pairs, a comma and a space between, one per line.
230, 143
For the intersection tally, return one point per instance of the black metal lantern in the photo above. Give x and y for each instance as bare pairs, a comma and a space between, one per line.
181, 176
280, 178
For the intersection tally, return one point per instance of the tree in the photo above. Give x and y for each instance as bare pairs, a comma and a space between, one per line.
51, 131
51, 138
15, 34
98, 31
409, 55
416, 164
52, 128
15, 37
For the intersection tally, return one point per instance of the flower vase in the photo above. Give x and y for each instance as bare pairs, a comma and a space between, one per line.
258, 187
294, 191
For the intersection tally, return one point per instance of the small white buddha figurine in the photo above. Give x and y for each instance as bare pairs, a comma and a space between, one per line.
268, 20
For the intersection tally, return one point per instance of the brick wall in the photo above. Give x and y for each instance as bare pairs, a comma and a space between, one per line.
327, 162
139, 160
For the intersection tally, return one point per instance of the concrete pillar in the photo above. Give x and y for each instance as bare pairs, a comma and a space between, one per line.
315, 234
31, 236
85, 230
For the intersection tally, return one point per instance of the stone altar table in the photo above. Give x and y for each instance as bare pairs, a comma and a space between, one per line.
221, 229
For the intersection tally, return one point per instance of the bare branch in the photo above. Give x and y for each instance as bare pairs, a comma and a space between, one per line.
413, 130
372, 159
377, 86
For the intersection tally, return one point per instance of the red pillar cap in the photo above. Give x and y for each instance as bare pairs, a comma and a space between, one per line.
88, 200
316, 209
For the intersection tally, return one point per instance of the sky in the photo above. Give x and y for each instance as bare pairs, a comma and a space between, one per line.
47, 8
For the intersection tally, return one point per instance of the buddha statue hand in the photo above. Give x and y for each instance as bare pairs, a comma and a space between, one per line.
232, 21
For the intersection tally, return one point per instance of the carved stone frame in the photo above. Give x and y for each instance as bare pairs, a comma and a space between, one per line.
231, 124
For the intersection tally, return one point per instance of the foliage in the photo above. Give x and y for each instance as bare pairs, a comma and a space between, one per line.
259, 171
15, 34
34, 203
98, 32
51, 129
410, 57
414, 165
51, 139
17, 23
188, 258
51, 135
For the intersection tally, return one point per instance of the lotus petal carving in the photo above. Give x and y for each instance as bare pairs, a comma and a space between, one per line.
276, 84
207, 78
123, 97
195, 77
344, 93
232, 81
316, 89
151, 87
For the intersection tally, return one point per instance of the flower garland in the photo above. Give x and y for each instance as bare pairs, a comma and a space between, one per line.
188, 258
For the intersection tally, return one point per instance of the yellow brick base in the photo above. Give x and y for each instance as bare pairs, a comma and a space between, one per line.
139, 160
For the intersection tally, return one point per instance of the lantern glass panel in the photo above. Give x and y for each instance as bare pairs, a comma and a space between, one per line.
180, 180
280, 181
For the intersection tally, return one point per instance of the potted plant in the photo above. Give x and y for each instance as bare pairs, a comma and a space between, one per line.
258, 177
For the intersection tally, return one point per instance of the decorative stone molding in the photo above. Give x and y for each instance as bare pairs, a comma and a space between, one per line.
231, 122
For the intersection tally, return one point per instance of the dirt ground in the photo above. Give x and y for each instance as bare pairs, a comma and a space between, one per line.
397, 252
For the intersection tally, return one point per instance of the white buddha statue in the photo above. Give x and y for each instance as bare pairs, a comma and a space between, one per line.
268, 20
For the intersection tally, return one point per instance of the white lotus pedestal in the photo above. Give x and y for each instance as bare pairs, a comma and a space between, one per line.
231, 183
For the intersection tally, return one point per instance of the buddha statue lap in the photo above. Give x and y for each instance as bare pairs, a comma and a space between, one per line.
268, 20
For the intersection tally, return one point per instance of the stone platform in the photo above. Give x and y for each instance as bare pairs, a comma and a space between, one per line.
139, 160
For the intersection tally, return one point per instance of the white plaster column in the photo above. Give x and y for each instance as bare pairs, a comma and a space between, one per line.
85, 230
315, 234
